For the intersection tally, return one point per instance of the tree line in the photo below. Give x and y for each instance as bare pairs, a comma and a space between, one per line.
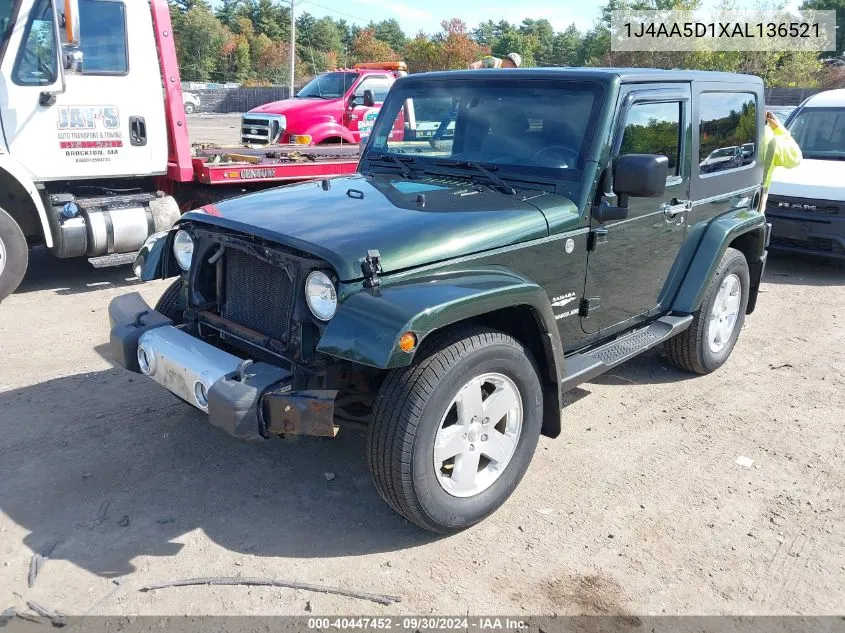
248, 42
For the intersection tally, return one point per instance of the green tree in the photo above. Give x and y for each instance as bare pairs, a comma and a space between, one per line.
228, 12
389, 31
199, 44
183, 6
541, 34
512, 41
839, 7
565, 47
422, 54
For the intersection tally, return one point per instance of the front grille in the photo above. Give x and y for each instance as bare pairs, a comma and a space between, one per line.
820, 244
802, 205
259, 129
258, 295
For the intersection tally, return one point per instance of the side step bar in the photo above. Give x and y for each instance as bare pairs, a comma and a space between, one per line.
587, 365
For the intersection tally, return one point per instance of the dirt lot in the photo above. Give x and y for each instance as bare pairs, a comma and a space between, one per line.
639, 507
220, 129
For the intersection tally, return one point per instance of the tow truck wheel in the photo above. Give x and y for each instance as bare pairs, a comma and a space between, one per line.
708, 342
172, 303
14, 255
453, 434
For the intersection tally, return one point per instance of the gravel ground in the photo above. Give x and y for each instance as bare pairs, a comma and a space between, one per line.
219, 129
639, 507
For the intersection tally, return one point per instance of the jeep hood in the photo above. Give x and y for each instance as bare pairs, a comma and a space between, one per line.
410, 222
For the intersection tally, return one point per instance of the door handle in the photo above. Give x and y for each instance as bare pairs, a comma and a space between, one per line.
673, 210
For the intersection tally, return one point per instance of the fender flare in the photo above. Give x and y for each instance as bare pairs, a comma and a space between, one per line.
322, 131
19, 173
369, 321
715, 240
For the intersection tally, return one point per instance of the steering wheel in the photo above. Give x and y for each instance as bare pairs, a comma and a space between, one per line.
566, 154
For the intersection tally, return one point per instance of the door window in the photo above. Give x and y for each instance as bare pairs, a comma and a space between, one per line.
654, 128
380, 86
37, 62
728, 131
102, 36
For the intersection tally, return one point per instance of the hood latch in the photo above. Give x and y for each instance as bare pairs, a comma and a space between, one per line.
371, 267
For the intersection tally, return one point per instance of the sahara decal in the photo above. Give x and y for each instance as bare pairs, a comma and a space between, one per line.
89, 134
564, 300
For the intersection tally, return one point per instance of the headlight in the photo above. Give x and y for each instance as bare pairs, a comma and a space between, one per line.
321, 295
183, 249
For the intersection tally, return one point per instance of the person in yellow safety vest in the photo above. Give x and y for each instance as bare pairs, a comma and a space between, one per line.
513, 60
779, 150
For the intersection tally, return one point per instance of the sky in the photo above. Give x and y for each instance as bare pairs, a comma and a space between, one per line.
425, 15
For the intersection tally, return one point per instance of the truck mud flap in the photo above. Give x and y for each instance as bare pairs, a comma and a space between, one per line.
309, 412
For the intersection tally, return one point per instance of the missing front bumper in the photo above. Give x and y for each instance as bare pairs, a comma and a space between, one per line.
247, 400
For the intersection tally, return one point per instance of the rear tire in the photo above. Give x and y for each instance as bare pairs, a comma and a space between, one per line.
14, 255
189, 108
709, 341
452, 434
172, 303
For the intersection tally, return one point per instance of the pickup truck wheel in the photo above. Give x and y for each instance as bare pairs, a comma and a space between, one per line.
14, 255
709, 341
453, 434
172, 303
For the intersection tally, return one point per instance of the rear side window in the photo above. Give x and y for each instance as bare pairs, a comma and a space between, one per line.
37, 62
102, 35
654, 128
728, 131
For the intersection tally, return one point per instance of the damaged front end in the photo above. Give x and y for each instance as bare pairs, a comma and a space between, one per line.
248, 400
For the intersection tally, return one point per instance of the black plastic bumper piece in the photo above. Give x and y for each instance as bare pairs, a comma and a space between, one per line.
130, 317
234, 404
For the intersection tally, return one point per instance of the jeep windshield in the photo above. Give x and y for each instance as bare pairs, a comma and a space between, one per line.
327, 86
820, 133
515, 128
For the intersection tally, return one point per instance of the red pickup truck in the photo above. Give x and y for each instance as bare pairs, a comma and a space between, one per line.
327, 110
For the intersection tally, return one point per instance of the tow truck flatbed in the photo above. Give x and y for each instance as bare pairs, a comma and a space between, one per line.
278, 163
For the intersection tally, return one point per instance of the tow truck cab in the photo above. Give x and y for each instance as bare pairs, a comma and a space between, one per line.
328, 109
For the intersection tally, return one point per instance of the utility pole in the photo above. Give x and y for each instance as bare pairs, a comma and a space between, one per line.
292, 47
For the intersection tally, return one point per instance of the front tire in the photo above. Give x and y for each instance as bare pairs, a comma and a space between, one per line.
453, 433
189, 108
709, 341
14, 255
172, 303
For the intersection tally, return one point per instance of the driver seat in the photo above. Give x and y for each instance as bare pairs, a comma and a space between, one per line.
506, 139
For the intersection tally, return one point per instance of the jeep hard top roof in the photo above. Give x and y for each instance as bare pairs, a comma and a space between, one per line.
623, 75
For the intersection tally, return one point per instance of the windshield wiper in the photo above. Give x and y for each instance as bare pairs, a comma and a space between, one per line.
487, 173
406, 172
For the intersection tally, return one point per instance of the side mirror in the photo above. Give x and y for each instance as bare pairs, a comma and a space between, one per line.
369, 98
71, 21
353, 101
640, 175
73, 60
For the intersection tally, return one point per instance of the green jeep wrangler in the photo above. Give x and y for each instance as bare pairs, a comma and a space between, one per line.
448, 293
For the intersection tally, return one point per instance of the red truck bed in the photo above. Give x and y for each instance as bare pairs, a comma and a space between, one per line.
282, 163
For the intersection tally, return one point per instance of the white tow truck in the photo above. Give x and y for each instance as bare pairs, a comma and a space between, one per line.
94, 149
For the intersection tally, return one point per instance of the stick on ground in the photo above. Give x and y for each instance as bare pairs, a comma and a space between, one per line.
266, 582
